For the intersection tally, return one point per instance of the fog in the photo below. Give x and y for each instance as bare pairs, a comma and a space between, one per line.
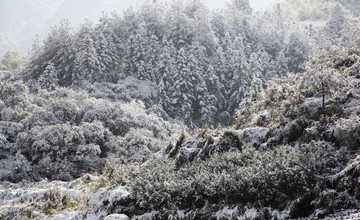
23, 21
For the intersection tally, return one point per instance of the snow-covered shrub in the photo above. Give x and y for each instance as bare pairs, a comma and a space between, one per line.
65, 133
346, 132
263, 178
10, 130
3, 142
39, 116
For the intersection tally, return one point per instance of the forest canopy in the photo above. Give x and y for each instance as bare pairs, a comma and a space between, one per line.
201, 62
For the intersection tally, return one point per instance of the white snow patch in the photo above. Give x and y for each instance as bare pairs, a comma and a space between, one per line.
146, 216
118, 193
117, 217
249, 214
67, 215
354, 163
226, 212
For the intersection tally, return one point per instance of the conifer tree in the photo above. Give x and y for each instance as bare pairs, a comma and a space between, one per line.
238, 79
165, 71
280, 64
64, 59
49, 79
108, 46
135, 59
59, 49
86, 61
221, 68
182, 97
209, 104
152, 51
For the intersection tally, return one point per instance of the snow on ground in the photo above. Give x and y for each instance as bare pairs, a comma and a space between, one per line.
79, 199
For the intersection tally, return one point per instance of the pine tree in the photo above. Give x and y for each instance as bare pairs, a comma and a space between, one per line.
280, 64
238, 79
104, 57
64, 59
165, 71
180, 25
265, 63
49, 79
256, 86
197, 83
58, 49
152, 51
201, 26
135, 58
182, 97
86, 61
108, 48
221, 69
296, 52
209, 107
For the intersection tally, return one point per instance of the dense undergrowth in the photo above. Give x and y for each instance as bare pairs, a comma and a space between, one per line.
64, 134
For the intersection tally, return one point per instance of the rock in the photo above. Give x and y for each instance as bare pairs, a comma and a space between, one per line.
227, 141
295, 129
262, 118
176, 149
346, 132
186, 155
254, 136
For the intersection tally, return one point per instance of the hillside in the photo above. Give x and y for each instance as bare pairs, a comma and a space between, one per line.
175, 111
289, 157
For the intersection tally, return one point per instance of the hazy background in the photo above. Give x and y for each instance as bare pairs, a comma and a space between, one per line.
23, 21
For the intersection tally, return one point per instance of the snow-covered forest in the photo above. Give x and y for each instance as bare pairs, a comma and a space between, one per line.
173, 110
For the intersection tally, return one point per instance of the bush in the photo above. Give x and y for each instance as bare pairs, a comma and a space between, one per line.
268, 178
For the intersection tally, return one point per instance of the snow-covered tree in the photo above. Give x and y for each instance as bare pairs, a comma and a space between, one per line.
182, 97
64, 59
165, 70
297, 52
280, 66
210, 100
108, 48
49, 79
86, 61
152, 51
238, 79
180, 25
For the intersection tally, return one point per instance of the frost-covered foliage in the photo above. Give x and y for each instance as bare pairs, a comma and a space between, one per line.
351, 5
62, 134
199, 63
262, 179
125, 90
292, 154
